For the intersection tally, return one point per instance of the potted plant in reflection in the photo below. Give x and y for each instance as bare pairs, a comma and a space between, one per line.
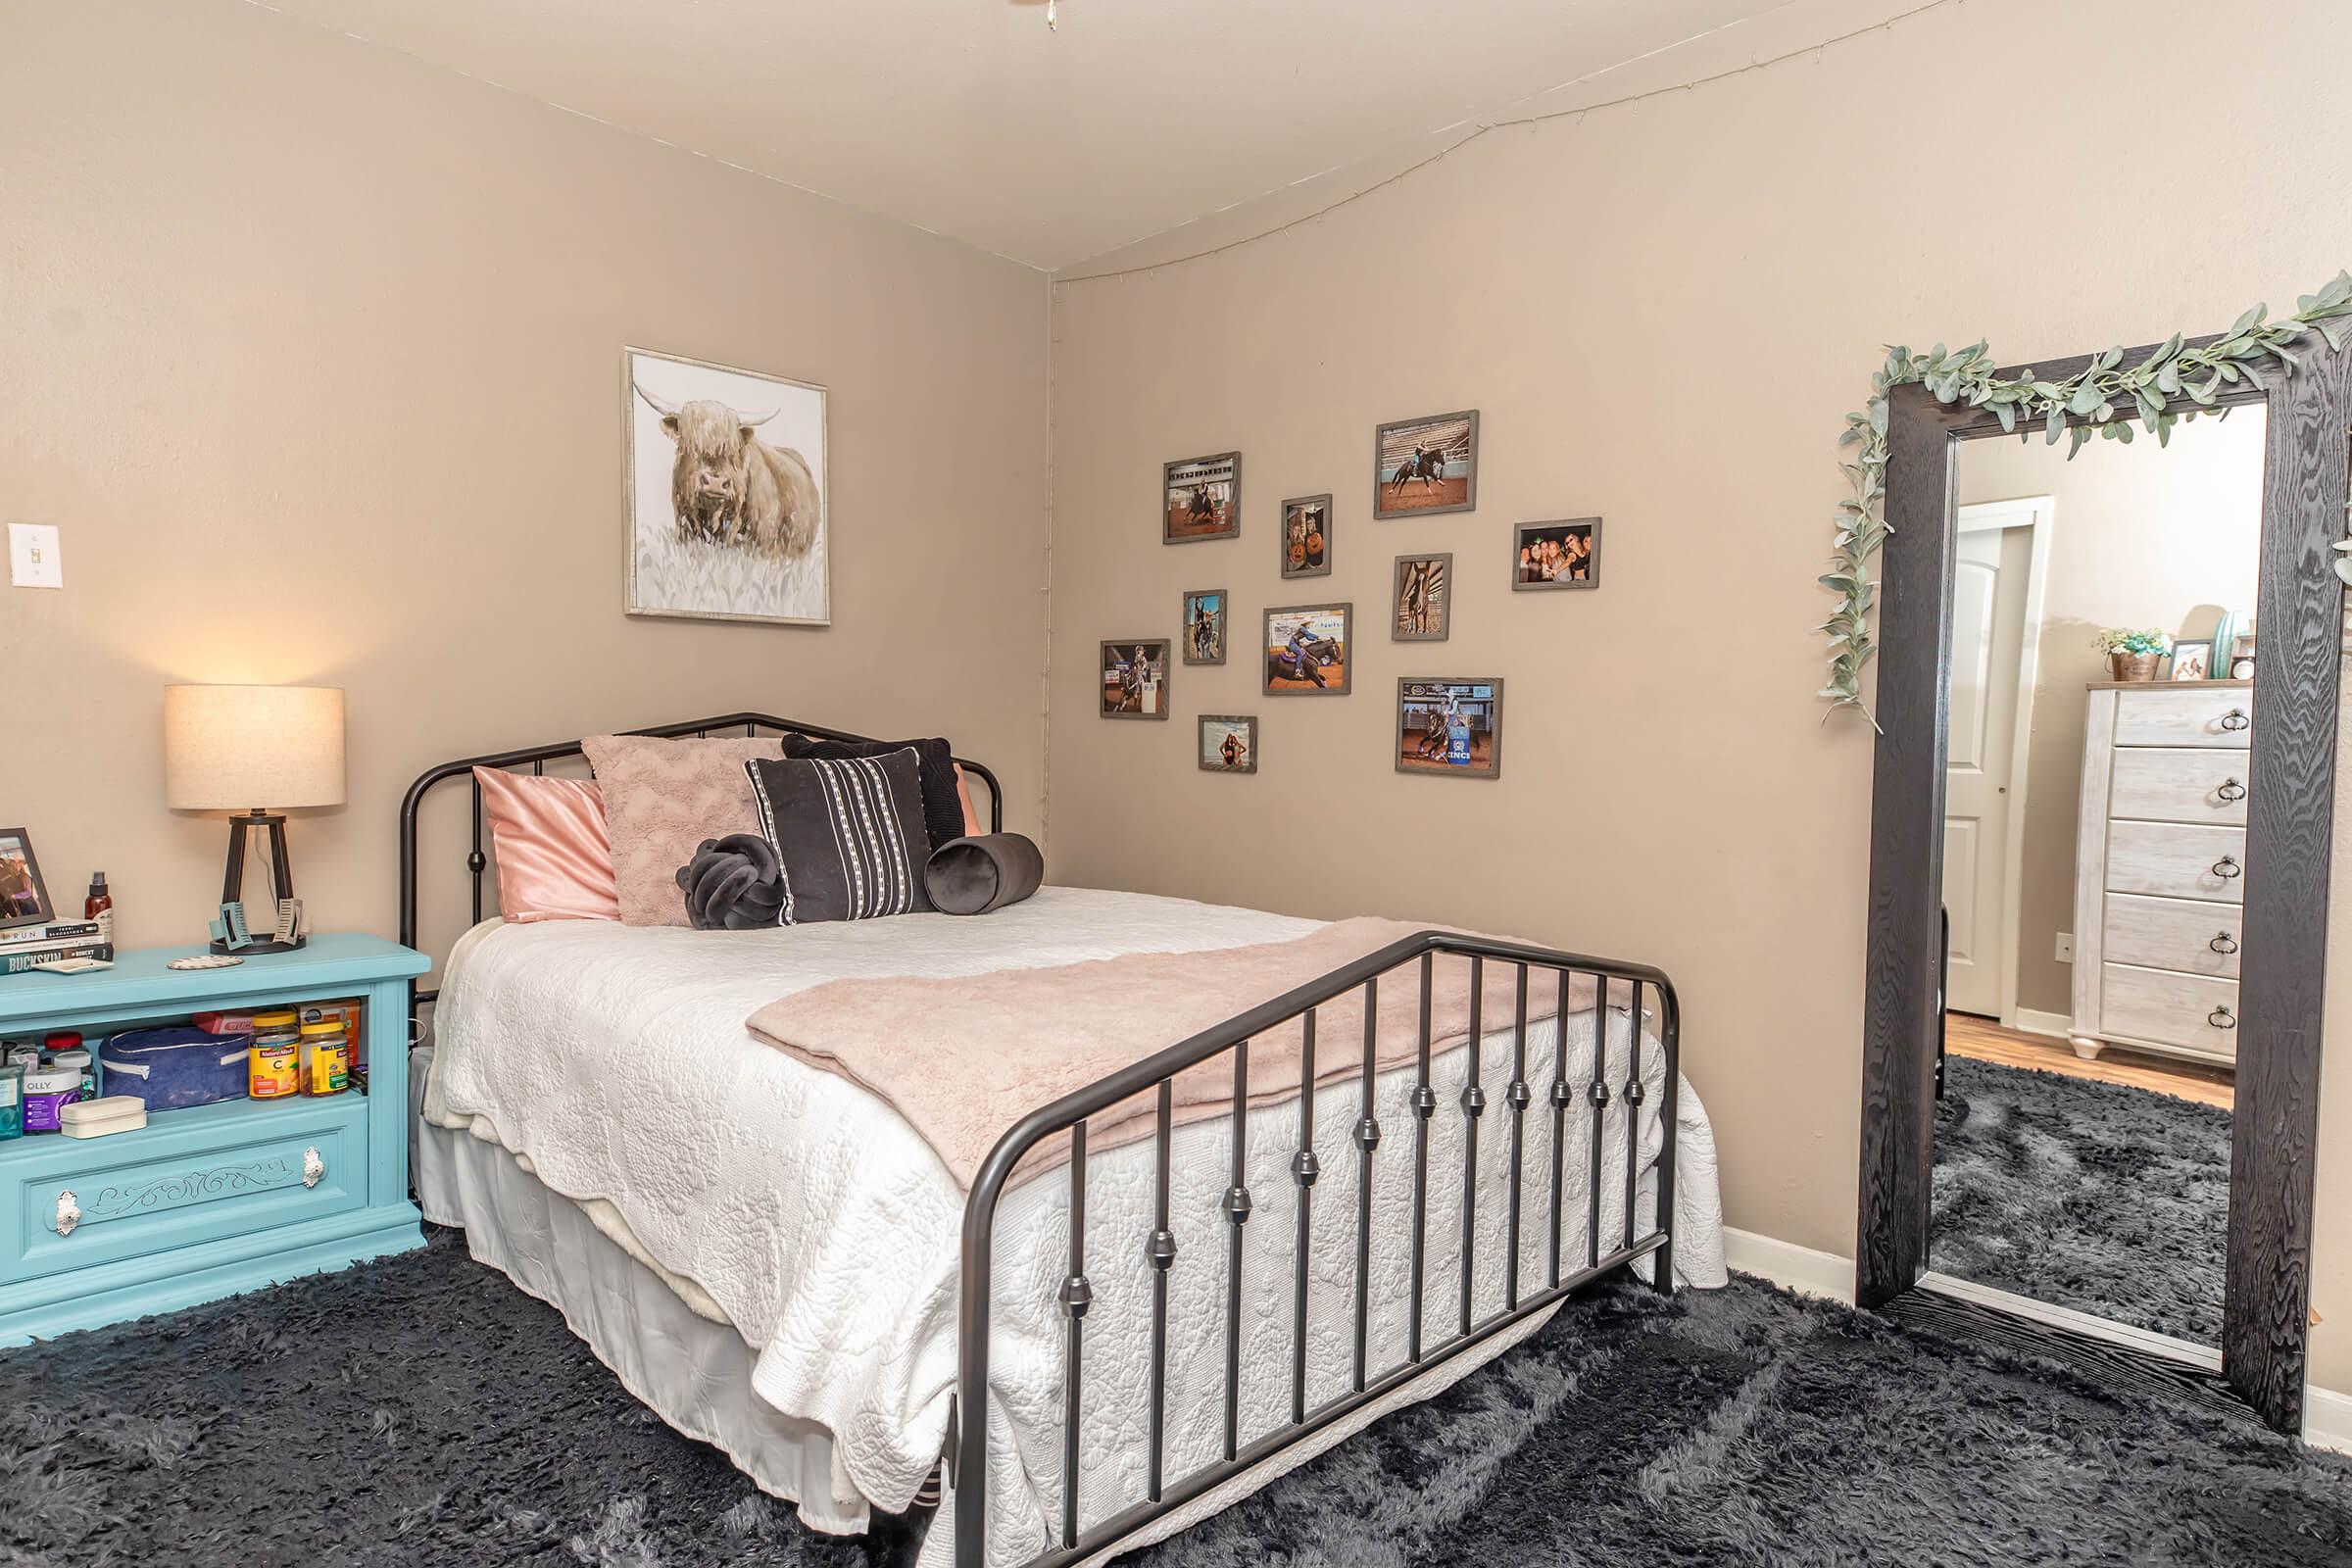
2133, 654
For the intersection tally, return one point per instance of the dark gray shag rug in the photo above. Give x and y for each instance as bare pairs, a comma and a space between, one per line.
421, 1411
2110, 1200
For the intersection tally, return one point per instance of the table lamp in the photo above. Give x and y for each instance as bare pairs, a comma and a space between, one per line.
253, 747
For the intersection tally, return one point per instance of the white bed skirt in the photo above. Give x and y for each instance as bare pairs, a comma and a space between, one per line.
692, 1371
695, 1371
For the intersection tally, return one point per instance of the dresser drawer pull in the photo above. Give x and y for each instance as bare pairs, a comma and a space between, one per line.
2223, 943
313, 1169
2232, 790
2236, 719
2226, 867
2222, 1019
69, 1213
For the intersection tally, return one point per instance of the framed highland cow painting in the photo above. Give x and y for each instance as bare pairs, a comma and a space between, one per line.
724, 484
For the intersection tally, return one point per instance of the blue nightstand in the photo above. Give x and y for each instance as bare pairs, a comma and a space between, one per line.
209, 1201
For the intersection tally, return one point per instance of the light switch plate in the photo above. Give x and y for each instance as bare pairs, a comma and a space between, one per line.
2066, 947
33, 561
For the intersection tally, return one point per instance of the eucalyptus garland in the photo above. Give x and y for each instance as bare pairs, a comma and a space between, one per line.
2107, 397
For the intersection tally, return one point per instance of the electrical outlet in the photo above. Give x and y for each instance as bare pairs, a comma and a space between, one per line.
33, 557
2066, 947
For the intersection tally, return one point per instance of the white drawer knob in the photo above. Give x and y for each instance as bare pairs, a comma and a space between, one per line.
313, 1169
69, 1213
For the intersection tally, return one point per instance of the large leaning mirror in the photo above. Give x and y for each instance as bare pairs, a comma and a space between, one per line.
2101, 835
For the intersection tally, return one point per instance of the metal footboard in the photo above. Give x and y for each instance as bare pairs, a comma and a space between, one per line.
968, 1437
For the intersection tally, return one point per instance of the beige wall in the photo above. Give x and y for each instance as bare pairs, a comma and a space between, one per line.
1664, 312
313, 352
2142, 535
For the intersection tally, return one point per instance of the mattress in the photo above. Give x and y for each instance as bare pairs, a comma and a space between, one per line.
805, 1214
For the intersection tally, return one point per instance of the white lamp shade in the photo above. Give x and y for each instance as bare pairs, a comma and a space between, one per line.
231, 748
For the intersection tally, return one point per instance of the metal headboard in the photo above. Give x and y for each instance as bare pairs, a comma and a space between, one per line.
536, 757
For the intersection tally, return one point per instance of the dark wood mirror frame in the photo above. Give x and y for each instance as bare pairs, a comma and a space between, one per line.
2266, 1312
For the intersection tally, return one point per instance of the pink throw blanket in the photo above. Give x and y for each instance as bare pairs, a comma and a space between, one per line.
962, 1060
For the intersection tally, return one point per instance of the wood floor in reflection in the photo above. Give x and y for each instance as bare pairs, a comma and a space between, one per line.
1967, 1035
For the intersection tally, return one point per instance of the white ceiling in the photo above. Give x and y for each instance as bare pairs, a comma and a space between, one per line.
969, 119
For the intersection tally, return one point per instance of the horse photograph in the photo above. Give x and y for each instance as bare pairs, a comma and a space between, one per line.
1426, 465
1200, 497
725, 493
1450, 727
1135, 678
1306, 649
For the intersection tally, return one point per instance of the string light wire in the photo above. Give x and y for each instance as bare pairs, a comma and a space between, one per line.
1484, 127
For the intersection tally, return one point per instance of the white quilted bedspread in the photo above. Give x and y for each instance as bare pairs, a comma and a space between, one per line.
616, 1060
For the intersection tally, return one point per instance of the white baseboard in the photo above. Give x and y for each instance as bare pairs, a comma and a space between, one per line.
2327, 1419
2056, 1024
2327, 1414
1801, 1270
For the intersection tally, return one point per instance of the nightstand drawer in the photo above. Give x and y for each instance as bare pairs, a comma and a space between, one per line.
188, 1177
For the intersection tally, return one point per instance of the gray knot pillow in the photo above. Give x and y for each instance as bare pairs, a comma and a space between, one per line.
975, 875
734, 883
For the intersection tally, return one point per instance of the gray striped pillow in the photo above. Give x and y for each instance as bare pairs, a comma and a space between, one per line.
848, 832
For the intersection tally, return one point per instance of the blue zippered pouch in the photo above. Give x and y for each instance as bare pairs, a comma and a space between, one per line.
176, 1067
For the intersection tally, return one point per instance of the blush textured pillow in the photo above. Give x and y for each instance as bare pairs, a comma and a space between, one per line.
943, 808
555, 858
662, 798
847, 834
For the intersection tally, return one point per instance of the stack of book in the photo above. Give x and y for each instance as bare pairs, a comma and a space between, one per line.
25, 945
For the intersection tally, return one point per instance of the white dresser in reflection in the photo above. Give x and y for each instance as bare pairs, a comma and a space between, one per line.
2160, 872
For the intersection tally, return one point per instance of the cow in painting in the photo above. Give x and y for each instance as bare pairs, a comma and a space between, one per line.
729, 487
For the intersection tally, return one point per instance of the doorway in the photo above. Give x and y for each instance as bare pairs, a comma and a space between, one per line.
2002, 553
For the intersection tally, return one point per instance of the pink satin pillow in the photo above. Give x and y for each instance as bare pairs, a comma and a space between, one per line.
555, 854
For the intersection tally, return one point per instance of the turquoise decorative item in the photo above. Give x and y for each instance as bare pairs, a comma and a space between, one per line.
206, 1202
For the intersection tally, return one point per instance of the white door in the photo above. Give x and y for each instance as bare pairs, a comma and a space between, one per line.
1989, 580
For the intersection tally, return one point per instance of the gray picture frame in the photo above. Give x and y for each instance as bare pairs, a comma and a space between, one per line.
1396, 634
1184, 620
1494, 768
1248, 721
636, 594
1167, 675
1381, 478
1282, 538
1233, 505
1591, 578
1347, 610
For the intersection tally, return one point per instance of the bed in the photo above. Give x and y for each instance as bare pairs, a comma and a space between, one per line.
774, 1261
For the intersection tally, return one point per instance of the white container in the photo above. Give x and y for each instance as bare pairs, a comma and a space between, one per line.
96, 1118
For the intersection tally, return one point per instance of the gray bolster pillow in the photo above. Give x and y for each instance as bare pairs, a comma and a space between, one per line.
975, 875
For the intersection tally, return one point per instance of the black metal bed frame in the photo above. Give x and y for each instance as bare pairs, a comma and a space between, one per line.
967, 1436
